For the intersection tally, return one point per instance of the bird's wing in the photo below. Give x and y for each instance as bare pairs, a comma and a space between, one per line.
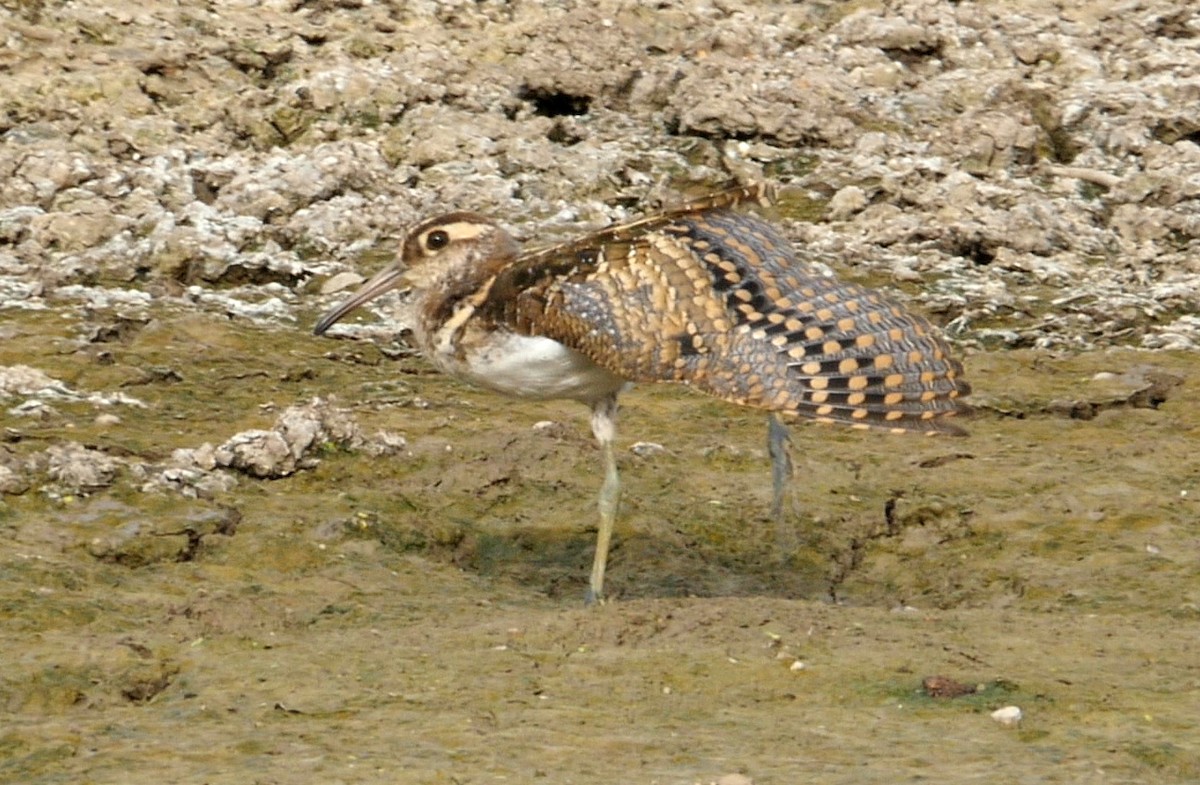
715, 299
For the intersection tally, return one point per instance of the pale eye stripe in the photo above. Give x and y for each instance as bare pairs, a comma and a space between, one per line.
458, 230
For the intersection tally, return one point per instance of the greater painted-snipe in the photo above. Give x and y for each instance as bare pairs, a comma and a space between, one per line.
699, 294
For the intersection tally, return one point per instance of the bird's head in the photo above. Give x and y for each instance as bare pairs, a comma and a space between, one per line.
437, 253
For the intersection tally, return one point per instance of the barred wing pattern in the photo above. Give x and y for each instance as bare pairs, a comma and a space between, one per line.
734, 314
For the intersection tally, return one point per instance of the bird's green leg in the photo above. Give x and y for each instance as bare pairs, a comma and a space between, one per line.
604, 426
778, 440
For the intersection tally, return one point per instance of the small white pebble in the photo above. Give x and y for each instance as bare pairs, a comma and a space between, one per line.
543, 425
734, 779
902, 273
1007, 716
1104, 376
1153, 550
798, 665
646, 449
107, 419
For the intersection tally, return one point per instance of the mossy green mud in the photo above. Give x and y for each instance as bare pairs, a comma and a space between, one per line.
419, 617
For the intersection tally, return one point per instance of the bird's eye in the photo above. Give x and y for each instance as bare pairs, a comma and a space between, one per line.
436, 240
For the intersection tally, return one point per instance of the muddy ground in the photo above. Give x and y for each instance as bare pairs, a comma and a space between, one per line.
231, 551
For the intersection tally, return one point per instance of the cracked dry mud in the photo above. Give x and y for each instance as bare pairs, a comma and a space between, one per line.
232, 551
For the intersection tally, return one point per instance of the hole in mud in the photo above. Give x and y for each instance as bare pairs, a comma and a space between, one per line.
556, 104
915, 55
981, 254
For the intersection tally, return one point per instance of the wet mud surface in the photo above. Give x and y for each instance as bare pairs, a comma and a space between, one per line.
231, 551
418, 617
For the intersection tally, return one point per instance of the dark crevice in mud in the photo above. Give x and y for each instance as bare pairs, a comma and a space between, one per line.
195, 271
915, 55
1157, 389
122, 329
550, 103
979, 253
205, 188
225, 525
154, 374
949, 523
143, 688
139, 544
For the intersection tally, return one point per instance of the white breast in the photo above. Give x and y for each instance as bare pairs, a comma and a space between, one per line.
531, 367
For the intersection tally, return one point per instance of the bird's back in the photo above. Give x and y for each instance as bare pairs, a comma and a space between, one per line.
716, 299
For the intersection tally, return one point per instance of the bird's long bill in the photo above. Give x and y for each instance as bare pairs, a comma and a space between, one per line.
384, 281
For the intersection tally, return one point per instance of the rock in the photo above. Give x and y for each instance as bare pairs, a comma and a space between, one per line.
12, 481
1008, 716
385, 443
258, 453
646, 449
286, 447
74, 468
847, 202
24, 380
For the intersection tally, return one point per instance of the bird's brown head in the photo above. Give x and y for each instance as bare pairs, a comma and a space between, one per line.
436, 254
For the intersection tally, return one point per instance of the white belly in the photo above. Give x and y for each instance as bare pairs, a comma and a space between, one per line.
532, 367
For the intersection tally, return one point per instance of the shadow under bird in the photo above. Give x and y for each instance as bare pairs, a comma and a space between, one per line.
700, 294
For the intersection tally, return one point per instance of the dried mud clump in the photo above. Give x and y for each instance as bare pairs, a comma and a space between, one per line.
290, 445
73, 468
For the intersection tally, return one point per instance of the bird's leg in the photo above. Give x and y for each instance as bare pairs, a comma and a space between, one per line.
604, 426
778, 439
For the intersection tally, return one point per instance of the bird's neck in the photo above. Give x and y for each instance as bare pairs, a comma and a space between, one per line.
446, 298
